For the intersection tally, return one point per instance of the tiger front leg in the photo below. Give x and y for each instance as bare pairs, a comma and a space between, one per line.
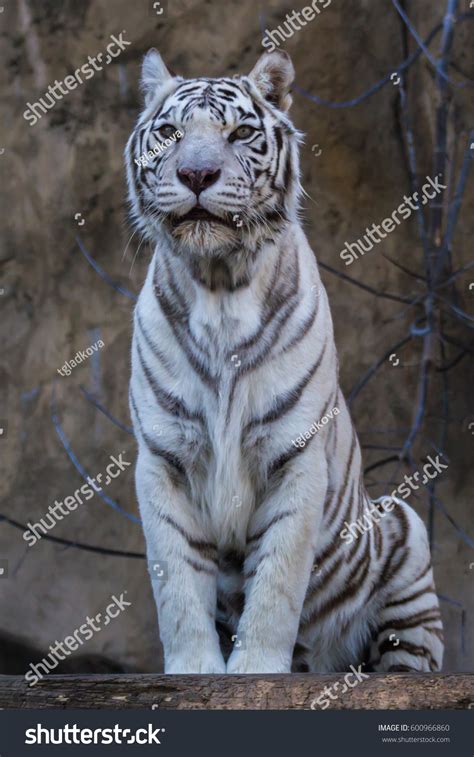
183, 569
281, 544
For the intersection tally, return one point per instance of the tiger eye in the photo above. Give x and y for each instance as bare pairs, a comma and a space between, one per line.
167, 130
243, 132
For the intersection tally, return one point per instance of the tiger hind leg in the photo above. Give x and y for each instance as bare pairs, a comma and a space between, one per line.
409, 632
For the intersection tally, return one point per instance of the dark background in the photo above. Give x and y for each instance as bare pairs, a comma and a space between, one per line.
54, 303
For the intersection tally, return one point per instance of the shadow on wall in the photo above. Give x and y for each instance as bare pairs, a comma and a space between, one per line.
16, 655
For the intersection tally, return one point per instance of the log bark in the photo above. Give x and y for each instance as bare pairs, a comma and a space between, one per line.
270, 692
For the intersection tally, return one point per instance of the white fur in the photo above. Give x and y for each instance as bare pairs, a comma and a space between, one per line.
230, 491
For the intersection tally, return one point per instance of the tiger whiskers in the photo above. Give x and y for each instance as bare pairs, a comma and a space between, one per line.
136, 253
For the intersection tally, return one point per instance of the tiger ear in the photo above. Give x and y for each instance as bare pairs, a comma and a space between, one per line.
273, 75
154, 74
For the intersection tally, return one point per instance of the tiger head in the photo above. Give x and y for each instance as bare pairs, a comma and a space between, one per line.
213, 163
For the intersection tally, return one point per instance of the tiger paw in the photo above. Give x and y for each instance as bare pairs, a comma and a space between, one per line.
258, 661
206, 663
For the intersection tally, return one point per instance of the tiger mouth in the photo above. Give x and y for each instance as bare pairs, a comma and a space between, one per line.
201, 214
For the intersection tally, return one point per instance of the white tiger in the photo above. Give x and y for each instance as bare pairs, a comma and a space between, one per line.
233, 359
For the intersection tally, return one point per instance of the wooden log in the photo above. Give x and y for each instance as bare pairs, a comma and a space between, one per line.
267, 692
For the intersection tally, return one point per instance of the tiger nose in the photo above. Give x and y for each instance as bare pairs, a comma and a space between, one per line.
198, 181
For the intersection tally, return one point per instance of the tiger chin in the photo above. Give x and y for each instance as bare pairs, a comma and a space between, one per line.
233, 357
